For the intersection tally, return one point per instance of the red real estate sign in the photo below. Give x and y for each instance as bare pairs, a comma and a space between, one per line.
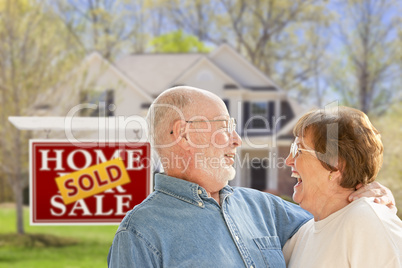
54, 159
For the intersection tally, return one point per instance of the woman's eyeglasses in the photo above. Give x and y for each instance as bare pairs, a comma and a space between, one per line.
296, 151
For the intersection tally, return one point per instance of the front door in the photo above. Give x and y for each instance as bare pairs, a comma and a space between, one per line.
259, 175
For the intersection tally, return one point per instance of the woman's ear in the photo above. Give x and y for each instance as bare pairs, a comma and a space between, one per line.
335, 176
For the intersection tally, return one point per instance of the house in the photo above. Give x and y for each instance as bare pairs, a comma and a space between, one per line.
126, 87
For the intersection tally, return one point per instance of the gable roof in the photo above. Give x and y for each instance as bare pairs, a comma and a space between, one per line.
154, 72
55, 100
227, 58
120, 74
206, 61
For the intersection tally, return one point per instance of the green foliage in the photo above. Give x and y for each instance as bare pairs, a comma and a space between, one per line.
36, 52
105, 26
390, 174
55, 246
364, 70
35, 240
177, 42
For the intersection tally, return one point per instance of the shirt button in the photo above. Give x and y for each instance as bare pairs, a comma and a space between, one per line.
237, 238
199, 192
200, 204
251, 266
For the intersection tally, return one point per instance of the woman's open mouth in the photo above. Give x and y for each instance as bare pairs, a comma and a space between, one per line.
297, 176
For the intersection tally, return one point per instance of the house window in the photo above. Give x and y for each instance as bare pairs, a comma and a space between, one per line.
258, 117
258, 174
287, 112
104, 101
259, 114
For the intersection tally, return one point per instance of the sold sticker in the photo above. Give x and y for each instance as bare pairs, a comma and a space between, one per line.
93, 180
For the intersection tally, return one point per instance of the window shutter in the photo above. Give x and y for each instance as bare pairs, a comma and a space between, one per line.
246, 114
271, 115
109, 101
286, 110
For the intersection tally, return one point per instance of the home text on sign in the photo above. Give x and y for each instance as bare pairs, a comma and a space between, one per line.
54, 159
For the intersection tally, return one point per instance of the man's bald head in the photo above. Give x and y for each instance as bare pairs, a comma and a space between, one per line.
177, 103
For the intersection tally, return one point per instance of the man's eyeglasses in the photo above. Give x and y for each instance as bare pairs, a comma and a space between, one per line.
296, 151
230, 123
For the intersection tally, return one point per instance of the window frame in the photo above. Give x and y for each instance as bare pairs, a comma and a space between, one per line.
251, 114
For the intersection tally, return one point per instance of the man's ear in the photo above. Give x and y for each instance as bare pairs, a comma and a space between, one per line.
180, 133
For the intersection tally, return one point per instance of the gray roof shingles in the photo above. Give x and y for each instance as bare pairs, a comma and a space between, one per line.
155, 72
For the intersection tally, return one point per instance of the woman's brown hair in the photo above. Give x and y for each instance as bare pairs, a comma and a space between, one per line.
344, 139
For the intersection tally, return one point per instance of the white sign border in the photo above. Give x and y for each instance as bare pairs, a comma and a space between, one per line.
75, 223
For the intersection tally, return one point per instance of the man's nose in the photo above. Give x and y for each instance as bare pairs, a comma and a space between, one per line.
235, 139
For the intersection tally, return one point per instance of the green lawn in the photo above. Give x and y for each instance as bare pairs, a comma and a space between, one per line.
90, 245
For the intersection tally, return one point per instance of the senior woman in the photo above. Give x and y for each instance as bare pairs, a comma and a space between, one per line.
333, 152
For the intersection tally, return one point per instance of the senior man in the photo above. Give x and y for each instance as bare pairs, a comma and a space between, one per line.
194, 218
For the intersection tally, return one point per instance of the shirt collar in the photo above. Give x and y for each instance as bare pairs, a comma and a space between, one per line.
185, 190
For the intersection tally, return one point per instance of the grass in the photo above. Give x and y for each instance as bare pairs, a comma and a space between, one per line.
52, 246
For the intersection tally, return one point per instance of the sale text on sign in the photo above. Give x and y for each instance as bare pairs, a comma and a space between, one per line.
86, 184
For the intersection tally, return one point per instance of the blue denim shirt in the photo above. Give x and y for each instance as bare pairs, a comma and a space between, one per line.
178, 225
